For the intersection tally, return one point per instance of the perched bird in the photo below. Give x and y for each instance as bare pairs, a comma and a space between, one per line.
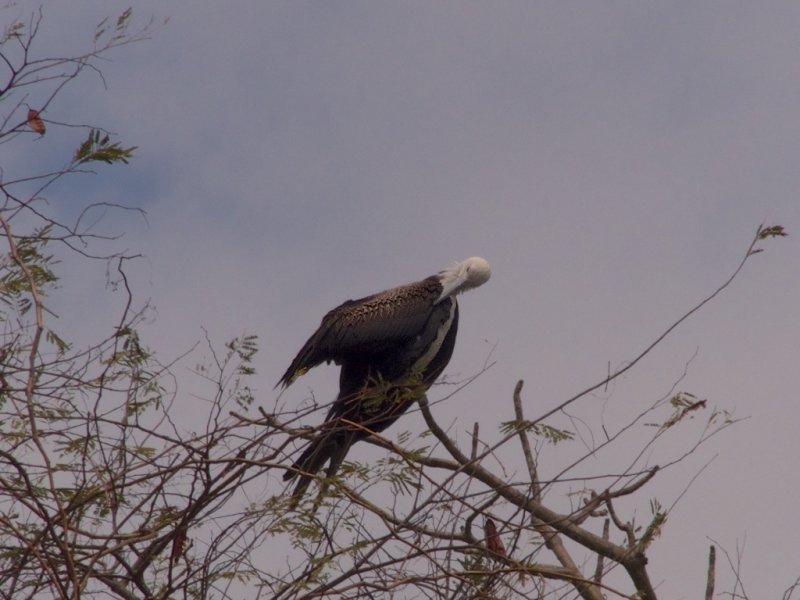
391, 347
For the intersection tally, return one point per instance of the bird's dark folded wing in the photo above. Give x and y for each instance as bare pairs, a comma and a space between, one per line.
370, 325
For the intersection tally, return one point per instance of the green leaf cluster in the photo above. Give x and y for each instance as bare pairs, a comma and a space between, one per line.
243, 349
29, 267
684, 405
549, 433
771, 231
653, 529
118, 30
98, 147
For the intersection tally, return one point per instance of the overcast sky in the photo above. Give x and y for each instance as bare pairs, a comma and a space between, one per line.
611, 160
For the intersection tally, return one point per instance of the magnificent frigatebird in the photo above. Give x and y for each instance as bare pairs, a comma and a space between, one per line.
391, 347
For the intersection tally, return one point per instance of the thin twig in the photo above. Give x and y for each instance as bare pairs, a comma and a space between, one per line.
712, 560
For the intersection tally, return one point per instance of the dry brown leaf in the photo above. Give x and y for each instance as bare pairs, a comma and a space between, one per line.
178, 543
35, 121
493, 541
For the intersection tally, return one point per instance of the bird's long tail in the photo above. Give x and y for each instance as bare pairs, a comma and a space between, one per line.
330, 446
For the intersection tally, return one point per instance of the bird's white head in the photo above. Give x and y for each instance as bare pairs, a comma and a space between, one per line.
463, 276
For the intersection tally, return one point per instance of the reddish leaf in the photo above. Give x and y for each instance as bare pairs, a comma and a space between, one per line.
178, 543
493, 541
35, 122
